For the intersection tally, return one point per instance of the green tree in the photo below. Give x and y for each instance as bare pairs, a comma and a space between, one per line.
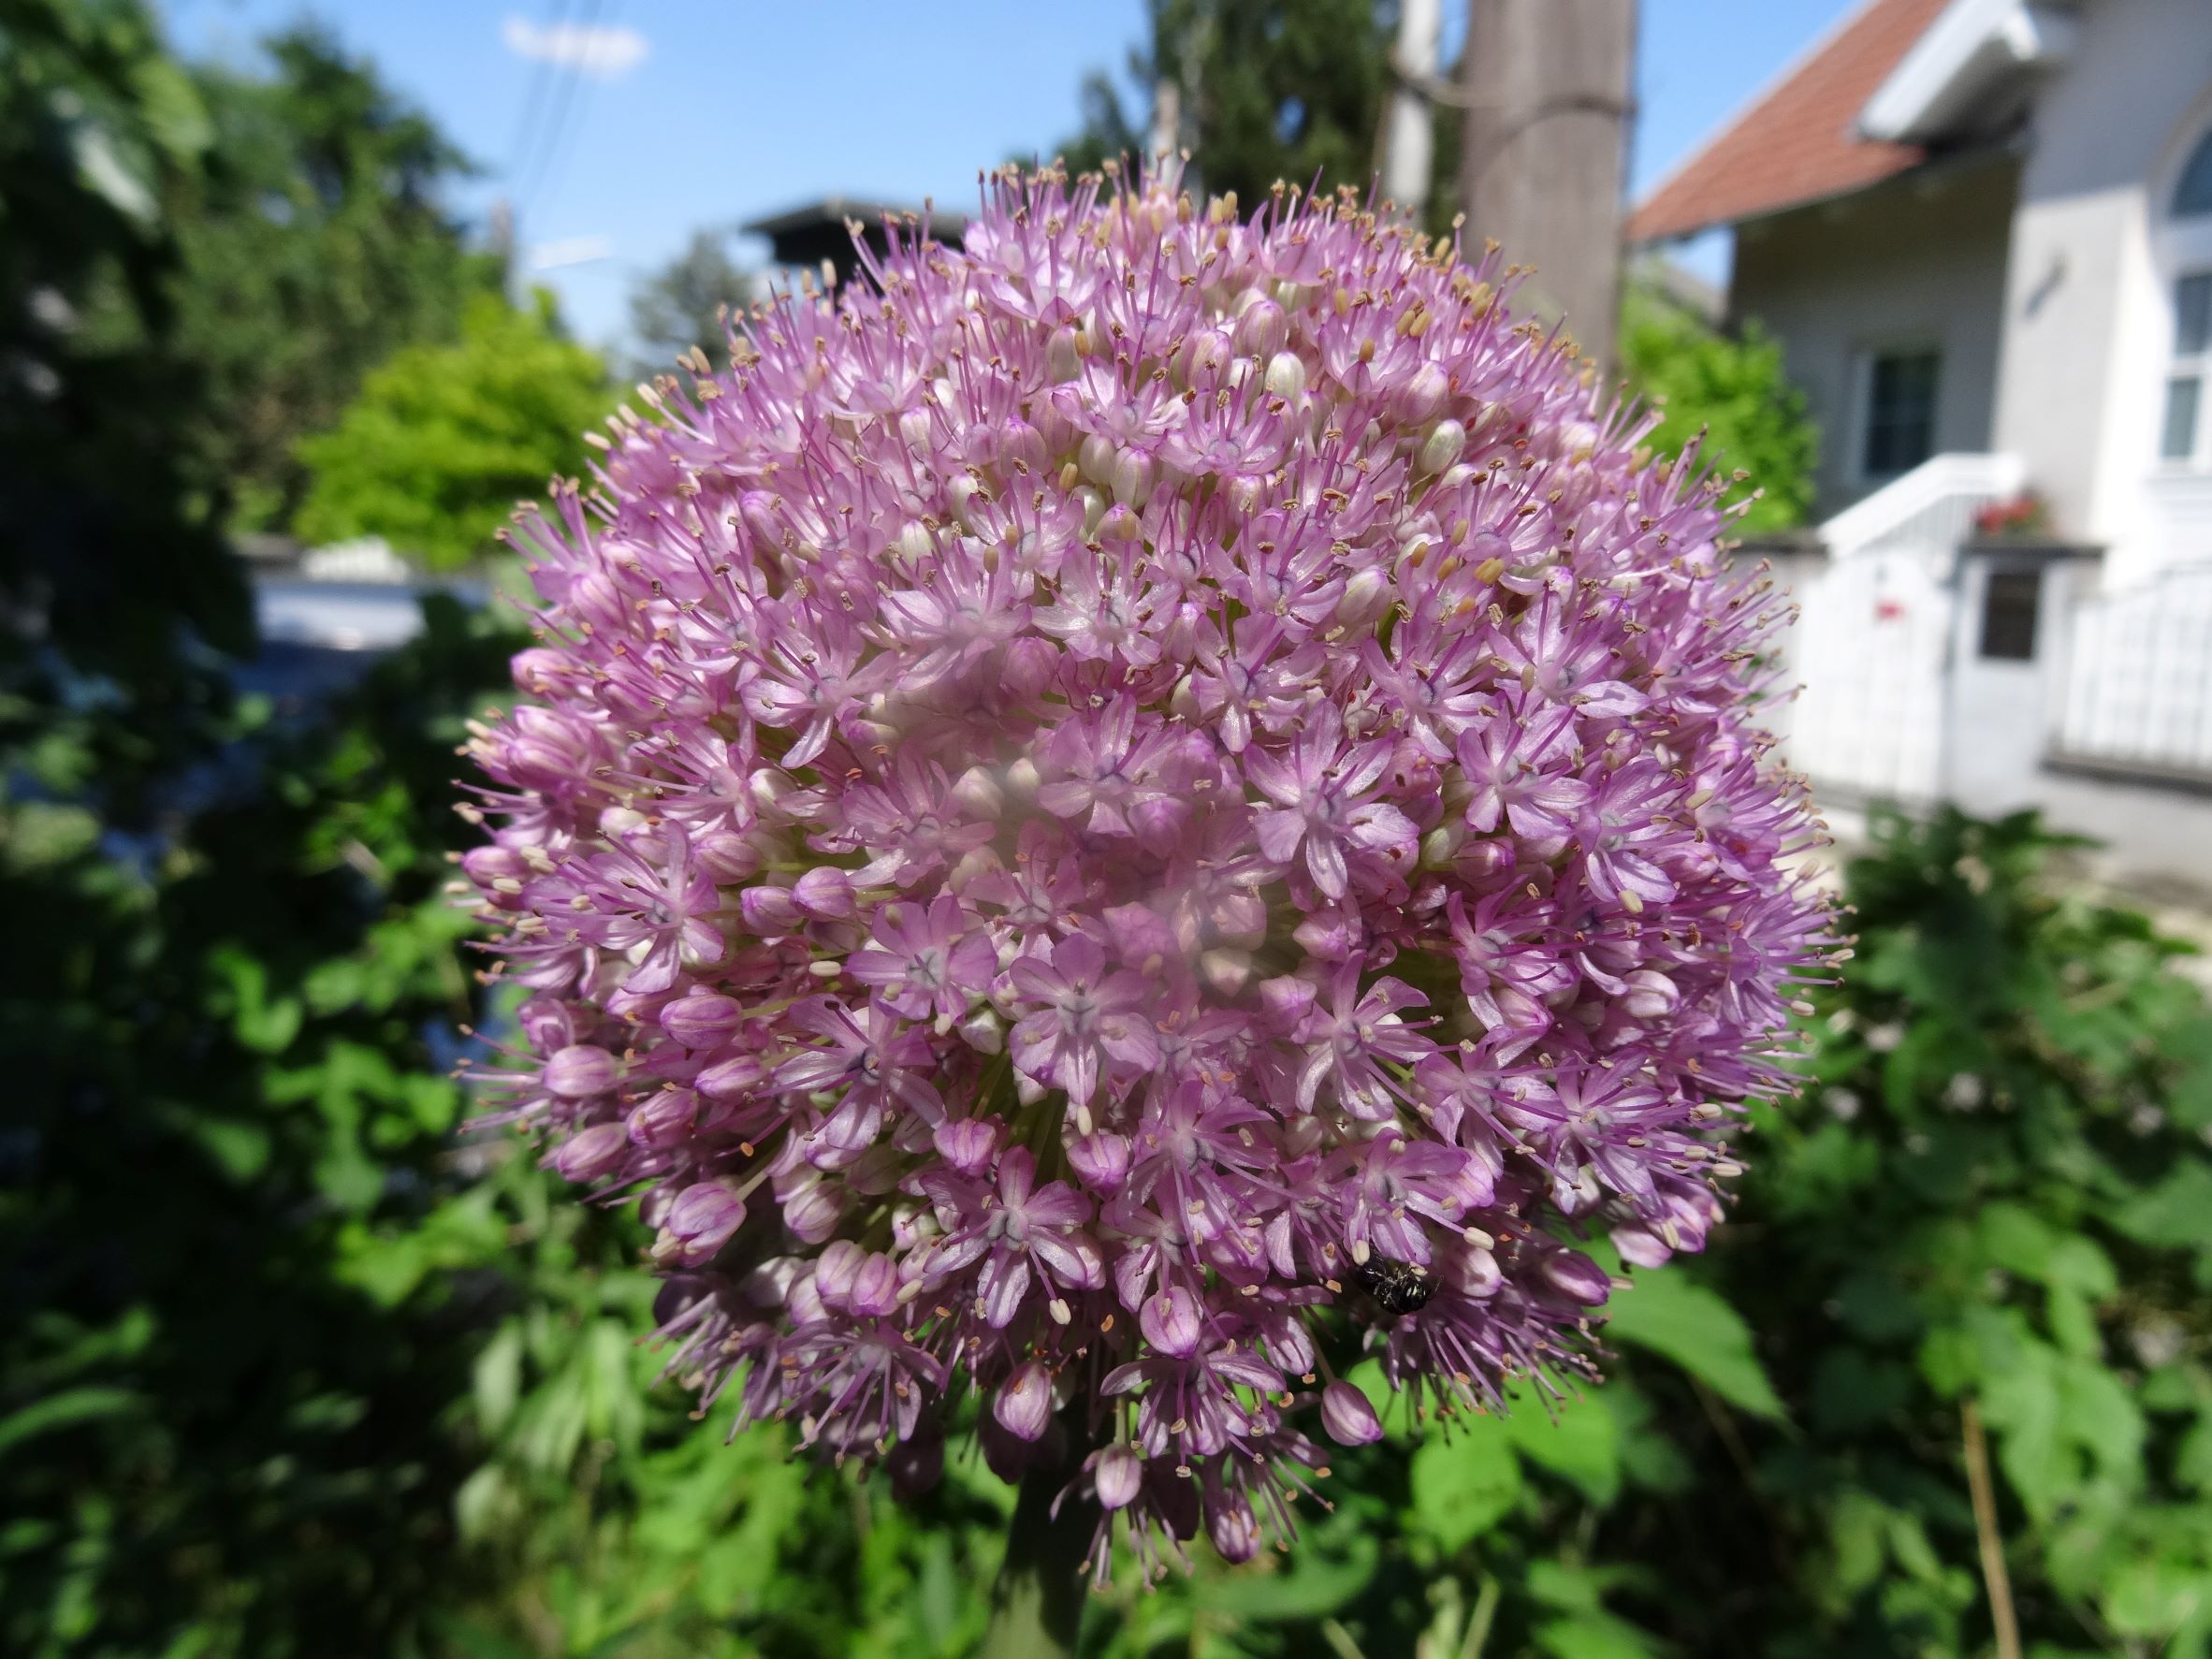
213, 1438
1732, 388
1279, 90
114, 582
444, 439
314, 242
684, 304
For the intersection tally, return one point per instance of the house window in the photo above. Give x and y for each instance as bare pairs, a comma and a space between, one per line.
1900, 412
2181, 428
2192, 194
2008, 614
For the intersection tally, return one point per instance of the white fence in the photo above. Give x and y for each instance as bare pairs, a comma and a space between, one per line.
1873, 643
2139, 678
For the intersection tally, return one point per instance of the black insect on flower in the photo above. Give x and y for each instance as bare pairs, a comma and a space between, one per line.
1397, 1286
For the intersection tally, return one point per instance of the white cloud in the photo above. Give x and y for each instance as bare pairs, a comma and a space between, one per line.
602, 52
575, 250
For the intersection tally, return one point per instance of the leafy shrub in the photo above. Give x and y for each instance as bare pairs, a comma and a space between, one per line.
444, 440
1733, 388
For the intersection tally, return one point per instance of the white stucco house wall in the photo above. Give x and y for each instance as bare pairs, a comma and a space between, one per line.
1981, 232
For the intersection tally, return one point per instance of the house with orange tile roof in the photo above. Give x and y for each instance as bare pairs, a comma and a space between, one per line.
1981, 232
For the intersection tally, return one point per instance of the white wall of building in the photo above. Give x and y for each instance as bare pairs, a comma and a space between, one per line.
2087, 308
1921, 260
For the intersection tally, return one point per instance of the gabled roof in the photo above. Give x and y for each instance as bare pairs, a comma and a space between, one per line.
1974, 47
1798, 141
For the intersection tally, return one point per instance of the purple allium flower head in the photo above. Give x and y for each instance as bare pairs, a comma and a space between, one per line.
1118, 809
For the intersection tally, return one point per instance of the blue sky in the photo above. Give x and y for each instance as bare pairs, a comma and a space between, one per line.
687, 112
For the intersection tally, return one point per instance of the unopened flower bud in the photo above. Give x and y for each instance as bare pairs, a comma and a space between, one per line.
984, 1031
1062, 361
1651, 996
1577, 1277
728, 860
1173, 1322
1120, 1476
812, 1210
1205, 357
580, 1072
1366, 596
1095, 458
664, 1120
1100, 1160
592, 1153
1262, 331
1235, 1532
769, 909
1023, 1403
1226, 972
1348, 1417
824, 893
700, 1019
699, 1224
1423, 394
967, 1144
1288, 999
1442, 844
977, 792
1442, 449
1133, 473
875, 1287
835, 1271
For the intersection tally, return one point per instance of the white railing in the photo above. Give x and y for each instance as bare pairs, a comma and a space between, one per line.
2139, 680
1932, 506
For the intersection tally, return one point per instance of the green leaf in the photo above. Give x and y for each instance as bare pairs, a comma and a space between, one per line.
63, 1411
498, 1379
2076, 1264
1597, 1635
263, 1024
2151, 1598
2177, 1213
1580, 1445
1465, 1484
2015, 1239
2021, 1402
1678, 1319
1858, 1535
2097, 1412
1313, 1585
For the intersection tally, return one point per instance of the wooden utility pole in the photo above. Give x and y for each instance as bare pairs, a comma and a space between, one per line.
1546, 86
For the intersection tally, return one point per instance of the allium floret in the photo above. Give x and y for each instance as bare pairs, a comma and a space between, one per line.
1116, 813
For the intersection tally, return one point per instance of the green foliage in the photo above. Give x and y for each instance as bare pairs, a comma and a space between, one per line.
1730, 386
1285, 90
109, 564
444, 439
221, 1062
313, 245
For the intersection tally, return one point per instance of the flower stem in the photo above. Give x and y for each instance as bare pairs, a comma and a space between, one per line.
1983, 1491
1037, 1607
